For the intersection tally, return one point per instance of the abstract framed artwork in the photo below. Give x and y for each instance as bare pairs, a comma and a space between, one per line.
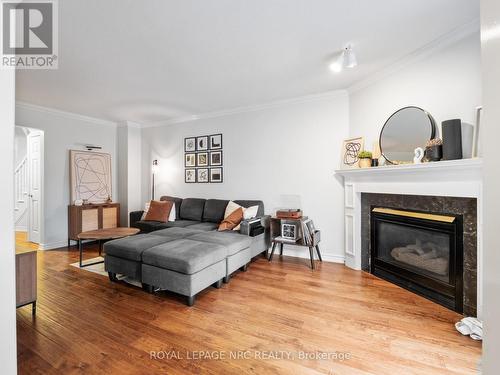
190, 160
349, 153
216, 142
202, 175
190, 176
216, 175
202, 159
190, 144
216, 158
202, 143
90, 176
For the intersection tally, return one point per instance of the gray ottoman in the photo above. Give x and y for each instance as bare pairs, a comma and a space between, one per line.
237, 245
124, 255
184, 266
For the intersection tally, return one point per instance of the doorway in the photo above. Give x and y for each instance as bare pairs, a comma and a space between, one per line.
28, 186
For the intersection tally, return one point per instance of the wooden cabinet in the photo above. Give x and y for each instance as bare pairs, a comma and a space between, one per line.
26, 278
92, 217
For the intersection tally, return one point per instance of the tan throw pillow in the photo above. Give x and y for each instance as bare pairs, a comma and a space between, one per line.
159, 211
232, 220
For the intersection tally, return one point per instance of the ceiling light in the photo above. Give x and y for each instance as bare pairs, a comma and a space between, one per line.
346, 59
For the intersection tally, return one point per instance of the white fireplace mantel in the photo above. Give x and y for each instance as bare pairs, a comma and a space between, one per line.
454, 178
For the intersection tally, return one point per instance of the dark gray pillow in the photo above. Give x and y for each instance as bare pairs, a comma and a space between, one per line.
214, 210
192, 209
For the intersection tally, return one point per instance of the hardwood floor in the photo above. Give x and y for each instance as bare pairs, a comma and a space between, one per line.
23, 243
86, 324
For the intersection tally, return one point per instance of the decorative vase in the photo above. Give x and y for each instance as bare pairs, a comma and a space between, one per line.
365, 163
434, 153
374, 162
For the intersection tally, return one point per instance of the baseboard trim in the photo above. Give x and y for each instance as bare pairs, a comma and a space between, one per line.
304, 254
53, 245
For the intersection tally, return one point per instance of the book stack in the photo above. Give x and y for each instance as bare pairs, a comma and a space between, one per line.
308, 231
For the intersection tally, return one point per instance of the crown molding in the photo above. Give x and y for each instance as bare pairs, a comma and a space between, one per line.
69, 115
419, 54
253, 108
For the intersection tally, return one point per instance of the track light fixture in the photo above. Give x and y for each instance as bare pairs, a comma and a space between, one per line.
346, 59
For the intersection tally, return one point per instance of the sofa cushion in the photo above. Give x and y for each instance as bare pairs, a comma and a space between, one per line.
214, 210
159, 211
232, 220
234, 242
178, 232
249, 203
184, 256
177, 224
132, 247
177, 201
204, 226
192, 209
148, 226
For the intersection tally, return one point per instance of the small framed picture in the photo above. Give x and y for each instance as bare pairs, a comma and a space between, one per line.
190, 176
216, 175
190, 144
202, 175
190, 160
202, 159
350, 150
216, 142
216, 158
289, 231
202, 143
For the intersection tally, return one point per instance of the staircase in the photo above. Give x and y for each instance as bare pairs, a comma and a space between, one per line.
21, 194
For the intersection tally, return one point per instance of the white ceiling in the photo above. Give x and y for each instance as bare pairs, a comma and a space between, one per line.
155, 60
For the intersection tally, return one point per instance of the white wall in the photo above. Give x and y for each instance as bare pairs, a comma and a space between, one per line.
129, 145
490, 28
62, 133
290, 149
20, 146
8, 357
447, 84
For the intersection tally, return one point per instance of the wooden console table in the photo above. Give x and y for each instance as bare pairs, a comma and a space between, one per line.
276, 240
92, 217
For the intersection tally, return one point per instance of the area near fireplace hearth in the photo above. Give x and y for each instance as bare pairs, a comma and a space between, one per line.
448, 269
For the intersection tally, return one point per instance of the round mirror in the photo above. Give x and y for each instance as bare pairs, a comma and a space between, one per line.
403, 132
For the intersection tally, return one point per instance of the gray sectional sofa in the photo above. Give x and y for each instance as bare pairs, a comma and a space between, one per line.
189, 254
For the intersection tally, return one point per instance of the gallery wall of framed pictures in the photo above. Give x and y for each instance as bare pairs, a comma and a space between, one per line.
203, 159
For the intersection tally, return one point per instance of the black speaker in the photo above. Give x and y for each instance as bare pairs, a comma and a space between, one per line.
452, 139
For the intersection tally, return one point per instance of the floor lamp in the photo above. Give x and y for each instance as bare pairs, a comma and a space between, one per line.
154, 170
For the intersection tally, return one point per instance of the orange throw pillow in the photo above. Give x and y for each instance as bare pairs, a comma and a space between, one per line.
159, 211
232, 220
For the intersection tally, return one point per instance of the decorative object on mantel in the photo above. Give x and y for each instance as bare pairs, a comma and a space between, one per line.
365, 159
90, 176
376, 154
203, 159
405, 130
434, 150
350, 150
452, 139
419, 155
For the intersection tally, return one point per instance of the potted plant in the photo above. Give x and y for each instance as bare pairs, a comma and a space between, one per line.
434, 150
365, 159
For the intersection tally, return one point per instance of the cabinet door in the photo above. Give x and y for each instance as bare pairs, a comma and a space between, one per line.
25, 278
90, 219
109, 217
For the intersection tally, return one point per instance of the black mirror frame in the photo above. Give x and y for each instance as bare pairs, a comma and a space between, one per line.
431, 119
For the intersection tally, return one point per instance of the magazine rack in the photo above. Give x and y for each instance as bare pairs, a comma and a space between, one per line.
300, 238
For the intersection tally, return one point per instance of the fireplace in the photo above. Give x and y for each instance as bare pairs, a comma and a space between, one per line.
419, 251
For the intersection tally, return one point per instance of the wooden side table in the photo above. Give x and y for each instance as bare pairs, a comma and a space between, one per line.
26, 278
277, 240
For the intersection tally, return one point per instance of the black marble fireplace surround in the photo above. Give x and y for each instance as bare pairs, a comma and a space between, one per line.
466, 207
